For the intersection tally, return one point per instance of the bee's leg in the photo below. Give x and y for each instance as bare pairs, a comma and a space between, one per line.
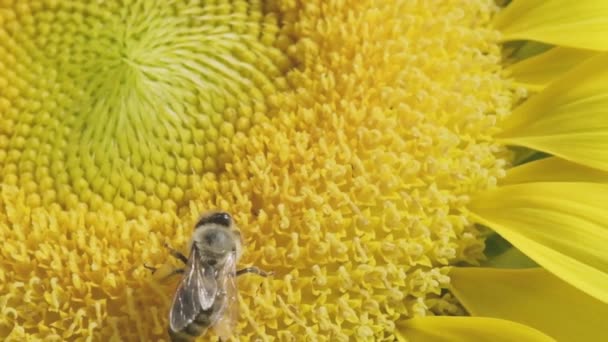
151, 268
174, 272
177, 254
255, 270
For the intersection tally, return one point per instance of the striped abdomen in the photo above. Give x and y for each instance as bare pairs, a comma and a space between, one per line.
201, 323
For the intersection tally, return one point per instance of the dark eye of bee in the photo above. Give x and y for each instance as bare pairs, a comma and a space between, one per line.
221, 218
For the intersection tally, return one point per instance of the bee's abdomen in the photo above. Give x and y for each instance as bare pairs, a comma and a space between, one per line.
180, 336
201, 322
192, 330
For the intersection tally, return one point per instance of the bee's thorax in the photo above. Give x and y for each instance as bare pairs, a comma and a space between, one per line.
215, 242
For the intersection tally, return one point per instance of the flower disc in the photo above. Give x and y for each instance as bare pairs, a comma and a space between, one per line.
126, 104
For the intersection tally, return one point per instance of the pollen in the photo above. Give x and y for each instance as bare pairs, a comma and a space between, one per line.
345, 138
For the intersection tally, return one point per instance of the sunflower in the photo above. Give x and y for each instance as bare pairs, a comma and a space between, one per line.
409, 170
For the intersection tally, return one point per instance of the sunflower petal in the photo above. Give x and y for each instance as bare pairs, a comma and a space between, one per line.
457, 329
561, 226
533, 297
538, 71
553, 170
568, 118
581, 24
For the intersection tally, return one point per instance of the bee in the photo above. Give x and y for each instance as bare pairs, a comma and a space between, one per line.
207, 294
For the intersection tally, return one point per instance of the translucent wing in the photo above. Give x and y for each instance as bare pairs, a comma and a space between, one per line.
225, 325
195, 293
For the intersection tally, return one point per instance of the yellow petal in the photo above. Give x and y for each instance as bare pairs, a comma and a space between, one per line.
538, 71
553, 170
569, 118
533, 297
474, 329
561, 226
580, 23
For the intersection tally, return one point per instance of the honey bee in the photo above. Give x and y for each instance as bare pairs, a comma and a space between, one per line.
207, 294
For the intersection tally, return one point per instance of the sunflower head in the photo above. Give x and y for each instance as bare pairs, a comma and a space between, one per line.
365, 149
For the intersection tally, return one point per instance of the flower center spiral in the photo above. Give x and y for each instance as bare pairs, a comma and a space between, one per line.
126, 105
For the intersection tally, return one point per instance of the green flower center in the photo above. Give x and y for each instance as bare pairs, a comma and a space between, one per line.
128, 104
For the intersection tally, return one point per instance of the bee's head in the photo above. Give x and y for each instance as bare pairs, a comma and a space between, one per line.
216, 234
220, 218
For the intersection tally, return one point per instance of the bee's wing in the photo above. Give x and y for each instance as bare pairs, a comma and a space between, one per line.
196, 292
225, 325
